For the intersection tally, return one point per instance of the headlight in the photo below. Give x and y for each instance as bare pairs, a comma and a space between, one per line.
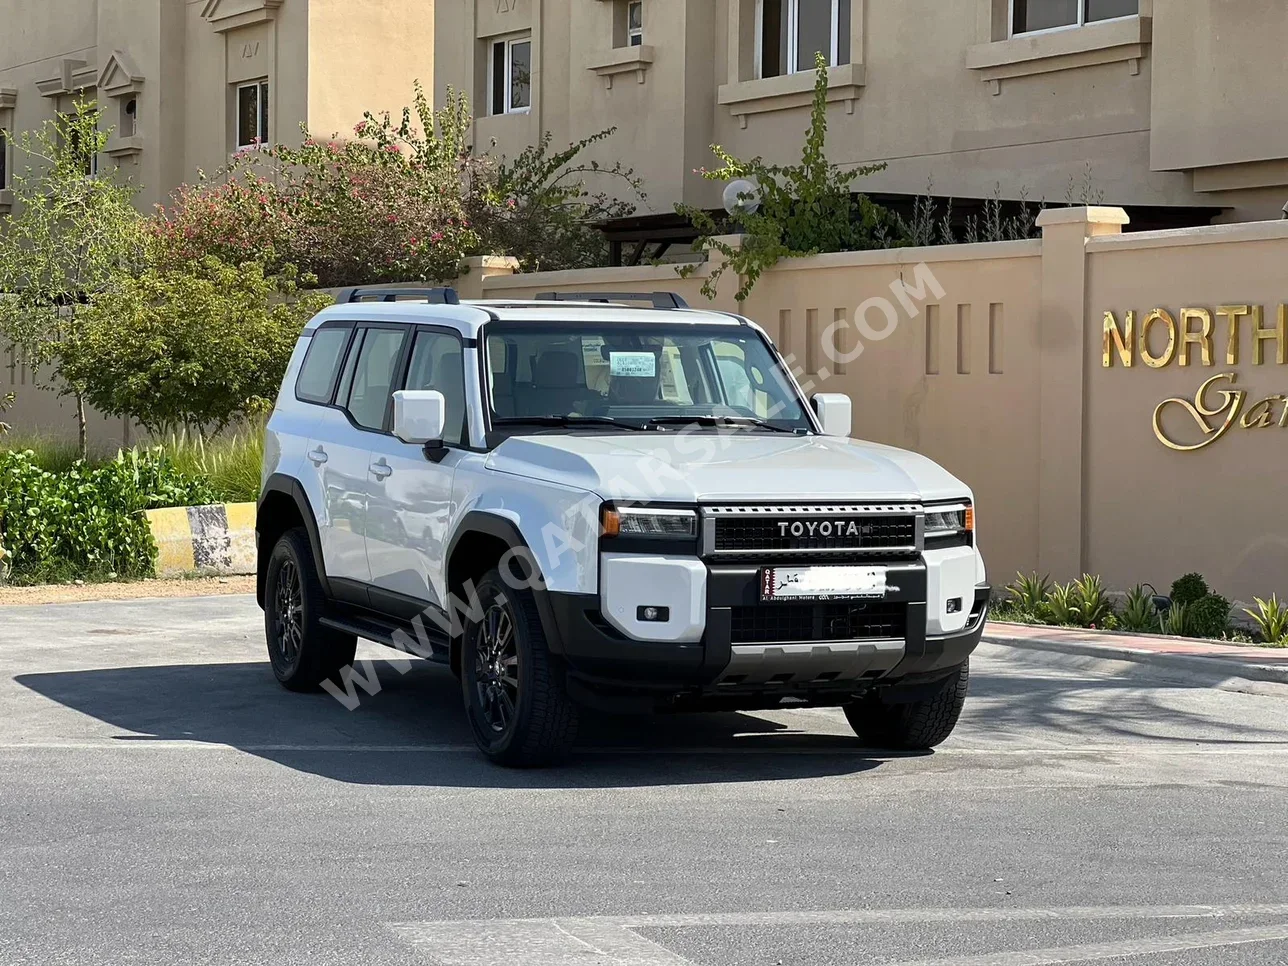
646, 522
951, 520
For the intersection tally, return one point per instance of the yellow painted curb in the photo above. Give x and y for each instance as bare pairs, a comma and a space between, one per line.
216, 539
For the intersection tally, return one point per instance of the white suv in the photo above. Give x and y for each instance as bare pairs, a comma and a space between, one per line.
579, 503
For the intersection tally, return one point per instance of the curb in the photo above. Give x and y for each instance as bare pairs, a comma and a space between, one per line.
217, 539
1200, 670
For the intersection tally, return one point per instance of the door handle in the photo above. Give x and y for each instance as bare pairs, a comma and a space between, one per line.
318, 456
381, 469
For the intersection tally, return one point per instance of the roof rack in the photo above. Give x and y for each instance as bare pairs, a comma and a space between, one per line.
660, 300
434, 296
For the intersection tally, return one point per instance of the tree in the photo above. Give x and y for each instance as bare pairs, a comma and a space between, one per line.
387, 207
193, 347
406, 200
540, 208
804, 208
74, 233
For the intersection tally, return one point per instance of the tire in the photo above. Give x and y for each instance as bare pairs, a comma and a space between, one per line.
519, 711
303, 652
912, 726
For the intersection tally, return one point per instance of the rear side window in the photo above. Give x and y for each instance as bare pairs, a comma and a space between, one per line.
436, 363
373, 377
321, 365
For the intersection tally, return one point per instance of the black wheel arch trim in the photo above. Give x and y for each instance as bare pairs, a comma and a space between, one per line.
505, 530
280, 483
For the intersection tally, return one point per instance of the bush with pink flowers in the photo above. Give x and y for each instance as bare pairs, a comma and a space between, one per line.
404, 199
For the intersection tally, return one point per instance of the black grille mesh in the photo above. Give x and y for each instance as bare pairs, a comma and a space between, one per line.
791, 623
753, 534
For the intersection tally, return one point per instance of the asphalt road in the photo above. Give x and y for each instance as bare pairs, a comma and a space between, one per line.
163, 801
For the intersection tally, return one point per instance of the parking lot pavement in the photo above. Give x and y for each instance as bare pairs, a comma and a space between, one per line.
163, 801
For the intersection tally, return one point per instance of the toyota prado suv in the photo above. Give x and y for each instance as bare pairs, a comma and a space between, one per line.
575, 503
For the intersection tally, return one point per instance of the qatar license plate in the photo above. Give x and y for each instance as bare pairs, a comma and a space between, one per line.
822, 583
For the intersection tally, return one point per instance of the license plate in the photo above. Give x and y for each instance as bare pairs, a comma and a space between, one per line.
822, 583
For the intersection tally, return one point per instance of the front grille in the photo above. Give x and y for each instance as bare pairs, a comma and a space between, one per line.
794, 623
804, 534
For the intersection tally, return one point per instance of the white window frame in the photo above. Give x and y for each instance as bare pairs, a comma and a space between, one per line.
263, 92
1082, 21
793, 35
510, 43
634, 35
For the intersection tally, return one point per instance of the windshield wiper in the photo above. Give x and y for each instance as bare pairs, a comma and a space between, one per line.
568, 420
719, 421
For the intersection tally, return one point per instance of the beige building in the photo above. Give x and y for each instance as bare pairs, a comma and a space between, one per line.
185, 83
1177, 103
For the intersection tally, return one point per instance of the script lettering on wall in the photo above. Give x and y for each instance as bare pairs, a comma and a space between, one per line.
250, 51
1194, 337
505, 6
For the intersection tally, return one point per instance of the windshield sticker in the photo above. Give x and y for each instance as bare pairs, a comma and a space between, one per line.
641, 364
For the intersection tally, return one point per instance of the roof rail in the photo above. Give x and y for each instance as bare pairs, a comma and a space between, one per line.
434, 296
660, 300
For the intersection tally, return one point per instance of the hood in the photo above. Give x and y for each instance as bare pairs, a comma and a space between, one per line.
709, 467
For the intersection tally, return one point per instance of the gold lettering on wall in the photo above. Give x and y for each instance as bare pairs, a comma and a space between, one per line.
1202, 338
1123, 340
1233, 314
1262, 335
1163, 338
1154, 318
1202, 411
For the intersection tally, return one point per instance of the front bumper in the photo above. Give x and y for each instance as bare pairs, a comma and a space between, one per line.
832, 656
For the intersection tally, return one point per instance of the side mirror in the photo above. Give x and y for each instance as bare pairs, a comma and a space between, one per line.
834, 411
419, 415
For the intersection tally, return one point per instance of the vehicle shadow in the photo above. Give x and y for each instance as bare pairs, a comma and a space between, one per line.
413, 731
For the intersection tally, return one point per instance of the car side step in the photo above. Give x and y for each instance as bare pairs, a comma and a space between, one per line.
382, 631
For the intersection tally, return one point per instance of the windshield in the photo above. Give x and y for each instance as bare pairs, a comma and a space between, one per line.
645, 375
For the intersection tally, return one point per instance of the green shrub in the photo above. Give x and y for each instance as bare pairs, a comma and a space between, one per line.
804, 208
1189, 589
1062, 605
1139, 612
1271, 617
1175, 621
1209, 616
1029, 596
1091, 608
48, 452
87, 521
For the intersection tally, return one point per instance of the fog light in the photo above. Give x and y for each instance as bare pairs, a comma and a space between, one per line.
954, 605
653, 615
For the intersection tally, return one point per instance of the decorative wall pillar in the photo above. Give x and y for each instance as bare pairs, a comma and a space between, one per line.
1063, 347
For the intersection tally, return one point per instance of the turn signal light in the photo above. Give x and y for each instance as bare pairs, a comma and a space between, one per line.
970, 519
611, 522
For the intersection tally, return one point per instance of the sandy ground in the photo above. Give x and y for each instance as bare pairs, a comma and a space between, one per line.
138, 590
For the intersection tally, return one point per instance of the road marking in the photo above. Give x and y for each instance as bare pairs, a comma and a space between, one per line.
614, 941
1117, 950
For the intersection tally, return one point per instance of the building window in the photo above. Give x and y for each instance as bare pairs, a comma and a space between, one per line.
252, 115
129, 125
511, 76
1031, 16
635, 23
4, 159
790, 32
85, 155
